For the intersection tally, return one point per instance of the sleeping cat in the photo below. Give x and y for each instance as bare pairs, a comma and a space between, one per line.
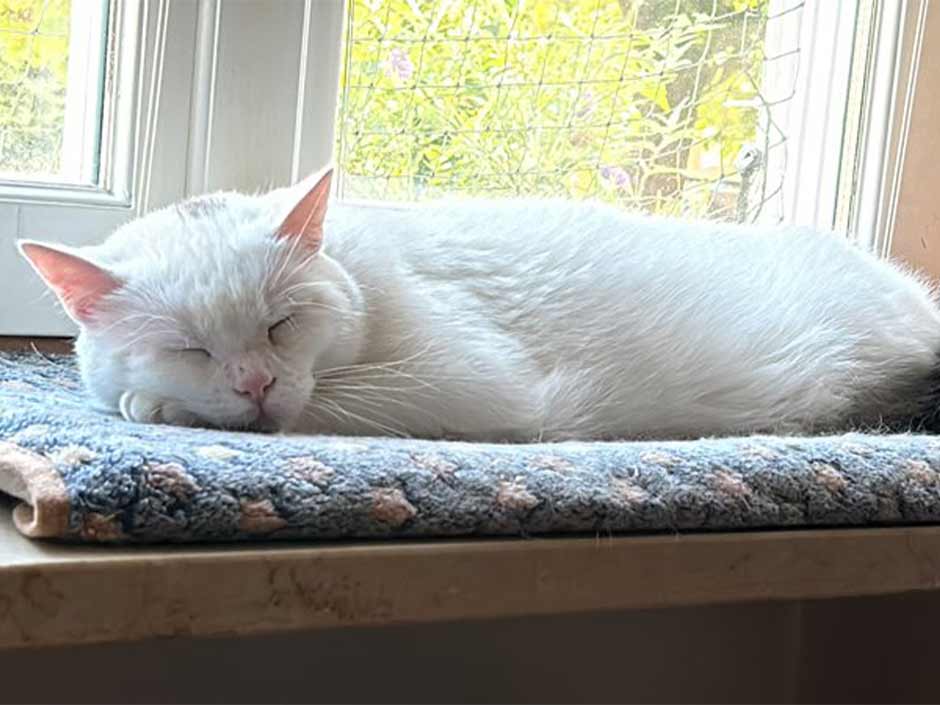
511, 321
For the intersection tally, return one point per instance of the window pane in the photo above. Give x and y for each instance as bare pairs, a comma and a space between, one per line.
51, 66
676, 107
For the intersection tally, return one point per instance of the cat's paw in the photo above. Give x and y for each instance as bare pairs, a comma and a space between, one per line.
139, 407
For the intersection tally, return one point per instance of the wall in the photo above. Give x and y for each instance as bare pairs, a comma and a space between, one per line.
917, 229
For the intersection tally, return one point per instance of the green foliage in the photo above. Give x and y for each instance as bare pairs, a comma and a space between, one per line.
642, 103
34, 44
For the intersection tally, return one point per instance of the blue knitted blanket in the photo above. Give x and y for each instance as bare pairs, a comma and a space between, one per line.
83, 475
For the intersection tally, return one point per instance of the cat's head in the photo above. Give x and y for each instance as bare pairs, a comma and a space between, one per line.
220, 306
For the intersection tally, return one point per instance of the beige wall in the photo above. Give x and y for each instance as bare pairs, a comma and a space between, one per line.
917, 231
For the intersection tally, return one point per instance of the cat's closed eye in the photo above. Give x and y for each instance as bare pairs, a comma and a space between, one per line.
275, 329
200, 352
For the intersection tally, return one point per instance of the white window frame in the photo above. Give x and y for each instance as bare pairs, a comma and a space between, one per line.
847, 177
82, 125
872, 207
117, 116
81, 214
188, 85
808, 105
228, 94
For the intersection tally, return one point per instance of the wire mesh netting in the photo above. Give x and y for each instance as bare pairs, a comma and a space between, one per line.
34, 49
656, 105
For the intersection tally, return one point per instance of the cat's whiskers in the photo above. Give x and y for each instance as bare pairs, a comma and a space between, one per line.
339, 369
382, 428
383, 372
355, 384
137, 316
298, 286
376, 403
360, 399
286, 258
133, 343
372, 392
139, 335
386, 375
370, 372
302, 264
146, 320
300, 305
310, 411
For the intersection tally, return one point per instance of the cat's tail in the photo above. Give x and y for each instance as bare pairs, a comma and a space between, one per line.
926, 416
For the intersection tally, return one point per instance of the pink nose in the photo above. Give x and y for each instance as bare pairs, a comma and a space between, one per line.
254, 385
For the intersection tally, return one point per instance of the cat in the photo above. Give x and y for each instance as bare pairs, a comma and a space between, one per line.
515, 320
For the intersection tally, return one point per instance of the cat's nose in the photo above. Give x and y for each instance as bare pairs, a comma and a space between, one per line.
254, 385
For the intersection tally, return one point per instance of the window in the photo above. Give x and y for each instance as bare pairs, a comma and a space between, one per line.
740, 110
691, 108
81, 86
51, 80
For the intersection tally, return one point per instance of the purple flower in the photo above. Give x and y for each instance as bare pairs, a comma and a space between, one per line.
400, 63
617, 176
586, 104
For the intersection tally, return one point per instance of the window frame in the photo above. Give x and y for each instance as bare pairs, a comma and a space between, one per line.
814, 114
125, 31
891, 211
137, 38
301, 42
179, 122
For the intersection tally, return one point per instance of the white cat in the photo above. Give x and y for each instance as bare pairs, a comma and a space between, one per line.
514, 320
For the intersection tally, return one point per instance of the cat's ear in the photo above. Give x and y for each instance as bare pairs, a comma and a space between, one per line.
80, 285
305, 221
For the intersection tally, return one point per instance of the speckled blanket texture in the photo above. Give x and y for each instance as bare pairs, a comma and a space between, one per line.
88, 476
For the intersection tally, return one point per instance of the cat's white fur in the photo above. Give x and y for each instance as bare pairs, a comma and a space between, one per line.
513, 320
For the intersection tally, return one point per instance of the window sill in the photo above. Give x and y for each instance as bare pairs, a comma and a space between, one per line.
58, 594
61, 346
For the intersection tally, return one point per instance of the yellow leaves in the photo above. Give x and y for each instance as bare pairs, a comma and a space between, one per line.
582, 183
741, 5
538, 97
33, 70
544, 15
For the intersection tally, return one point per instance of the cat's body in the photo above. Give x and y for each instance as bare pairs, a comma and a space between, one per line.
514, 320
555, 320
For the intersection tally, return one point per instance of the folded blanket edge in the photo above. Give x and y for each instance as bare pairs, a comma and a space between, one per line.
34, 480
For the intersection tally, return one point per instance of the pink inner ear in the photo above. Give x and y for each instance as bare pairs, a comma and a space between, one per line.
306, 219
79, 284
